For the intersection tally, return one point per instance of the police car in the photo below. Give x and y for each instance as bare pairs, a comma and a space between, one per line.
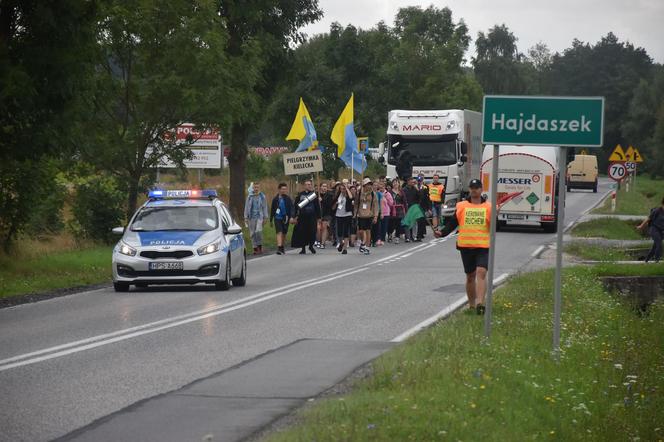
180, 237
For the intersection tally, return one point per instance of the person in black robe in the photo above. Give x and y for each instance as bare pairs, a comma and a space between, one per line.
306, 219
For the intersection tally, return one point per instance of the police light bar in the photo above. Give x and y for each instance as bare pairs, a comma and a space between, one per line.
191, 193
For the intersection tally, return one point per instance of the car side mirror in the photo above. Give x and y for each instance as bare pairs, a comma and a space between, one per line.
464, 148
233, 229
118, 230
381, 159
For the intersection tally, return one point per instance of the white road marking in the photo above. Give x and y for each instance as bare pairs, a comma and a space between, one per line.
443, 313
537, 251
121, 335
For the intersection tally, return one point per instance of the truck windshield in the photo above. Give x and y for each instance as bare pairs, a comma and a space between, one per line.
151, 219
424, 151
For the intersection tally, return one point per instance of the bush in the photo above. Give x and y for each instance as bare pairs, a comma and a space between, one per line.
45, 215
97, 208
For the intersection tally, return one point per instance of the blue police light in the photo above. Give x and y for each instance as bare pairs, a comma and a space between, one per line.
157, 193
210, 193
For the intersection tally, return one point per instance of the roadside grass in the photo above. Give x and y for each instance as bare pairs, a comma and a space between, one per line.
32, 273
269, 238
644, 195
609, 228
596, 253
445, 384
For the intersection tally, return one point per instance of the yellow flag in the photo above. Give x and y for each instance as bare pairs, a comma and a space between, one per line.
339, 131
298, 130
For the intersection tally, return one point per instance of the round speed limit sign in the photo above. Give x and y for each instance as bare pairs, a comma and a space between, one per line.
617, 171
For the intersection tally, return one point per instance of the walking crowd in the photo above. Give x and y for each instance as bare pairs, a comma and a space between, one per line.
345, 214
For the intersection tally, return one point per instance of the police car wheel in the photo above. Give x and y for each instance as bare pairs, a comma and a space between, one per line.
121, 286
225, 283
242, 280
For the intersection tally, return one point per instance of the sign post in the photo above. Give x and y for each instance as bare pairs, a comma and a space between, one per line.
540, 121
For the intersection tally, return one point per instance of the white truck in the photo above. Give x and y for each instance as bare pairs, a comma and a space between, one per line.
529, 174
443, 142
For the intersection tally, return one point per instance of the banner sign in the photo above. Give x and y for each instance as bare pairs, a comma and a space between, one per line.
301, 163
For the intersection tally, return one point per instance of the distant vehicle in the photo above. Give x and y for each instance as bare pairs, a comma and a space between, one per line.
582, 173
529, 174
443, 142
180, 237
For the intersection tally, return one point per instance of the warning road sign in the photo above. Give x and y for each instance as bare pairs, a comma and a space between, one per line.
618, 154
637, 156
629, 153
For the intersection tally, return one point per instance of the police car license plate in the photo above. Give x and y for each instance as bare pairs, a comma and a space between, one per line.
515, 216
166, 266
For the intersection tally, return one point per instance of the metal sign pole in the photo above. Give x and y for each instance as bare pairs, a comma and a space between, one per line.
557, 301
492, 245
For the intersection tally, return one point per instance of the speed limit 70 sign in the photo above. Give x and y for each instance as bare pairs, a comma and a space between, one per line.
617, 171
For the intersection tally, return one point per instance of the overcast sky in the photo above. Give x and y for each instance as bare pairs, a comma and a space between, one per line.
556, 23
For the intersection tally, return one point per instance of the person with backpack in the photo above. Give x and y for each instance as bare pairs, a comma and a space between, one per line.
655, 223
366, 212
343, 210
255, 216
280, 214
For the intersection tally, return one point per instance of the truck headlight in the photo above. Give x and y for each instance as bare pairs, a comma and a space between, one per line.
126, 250
210, 248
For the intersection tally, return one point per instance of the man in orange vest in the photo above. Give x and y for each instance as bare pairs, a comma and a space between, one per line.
436, 195
473, 216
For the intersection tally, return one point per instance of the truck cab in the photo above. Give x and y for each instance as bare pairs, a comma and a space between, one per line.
446, 143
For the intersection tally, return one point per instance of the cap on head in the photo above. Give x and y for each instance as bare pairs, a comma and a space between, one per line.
475, 183
366, 181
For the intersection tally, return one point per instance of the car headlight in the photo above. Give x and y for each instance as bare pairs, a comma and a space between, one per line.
126, 250
210, 248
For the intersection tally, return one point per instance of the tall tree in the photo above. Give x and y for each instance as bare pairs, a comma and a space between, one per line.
45, 48
161, 64
499, 66
262, 32
611, 69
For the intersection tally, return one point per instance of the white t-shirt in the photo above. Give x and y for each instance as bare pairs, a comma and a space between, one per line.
341, 207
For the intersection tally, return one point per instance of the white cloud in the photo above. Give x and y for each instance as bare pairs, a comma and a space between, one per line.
556, 23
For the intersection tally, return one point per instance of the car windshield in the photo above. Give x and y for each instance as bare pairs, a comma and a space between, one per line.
424, 151
151, 219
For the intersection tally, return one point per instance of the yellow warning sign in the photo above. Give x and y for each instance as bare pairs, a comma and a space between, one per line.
618, 154
629, 153
583, 152
637, 156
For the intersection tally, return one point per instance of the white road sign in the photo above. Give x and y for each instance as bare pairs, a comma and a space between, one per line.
617, 171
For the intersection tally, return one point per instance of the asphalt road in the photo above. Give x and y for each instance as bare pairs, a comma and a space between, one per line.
68, 361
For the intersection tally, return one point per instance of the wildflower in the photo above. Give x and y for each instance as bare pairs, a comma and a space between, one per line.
618, 366
371, 426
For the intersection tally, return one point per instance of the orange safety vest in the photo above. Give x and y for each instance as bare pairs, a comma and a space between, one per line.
436, 192
474, 222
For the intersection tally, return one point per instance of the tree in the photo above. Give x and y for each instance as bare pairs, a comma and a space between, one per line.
609, 68
44, 53
261, 32
160, 64
498, 62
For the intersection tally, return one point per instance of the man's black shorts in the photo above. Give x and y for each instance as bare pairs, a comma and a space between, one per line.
281, 226
364, 223
473, 258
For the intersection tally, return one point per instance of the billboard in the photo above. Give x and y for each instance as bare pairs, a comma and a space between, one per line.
206, 148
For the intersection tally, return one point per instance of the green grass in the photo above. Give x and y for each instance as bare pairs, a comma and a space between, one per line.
269, 238
596, 253
644, 195
22, 275
443, 384
609, 228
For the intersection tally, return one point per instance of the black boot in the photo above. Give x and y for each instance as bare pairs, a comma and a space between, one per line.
303, 251
311, 249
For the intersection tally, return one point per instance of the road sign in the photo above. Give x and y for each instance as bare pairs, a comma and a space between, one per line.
630, 166
617, 171
629, 153
637, 156
618, 154
552, 121
300, 163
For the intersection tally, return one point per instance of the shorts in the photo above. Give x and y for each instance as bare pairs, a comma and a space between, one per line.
435, 209
343, 226
281, 226
364, 223
474, 258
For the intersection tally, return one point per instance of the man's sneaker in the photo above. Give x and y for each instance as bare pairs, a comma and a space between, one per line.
366, 251
321, 246
340, 247
389, 238
279, 252
344, 252
480, 309
396, 240
407, 239
312, 250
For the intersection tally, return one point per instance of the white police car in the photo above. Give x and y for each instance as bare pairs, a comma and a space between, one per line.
180, 237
